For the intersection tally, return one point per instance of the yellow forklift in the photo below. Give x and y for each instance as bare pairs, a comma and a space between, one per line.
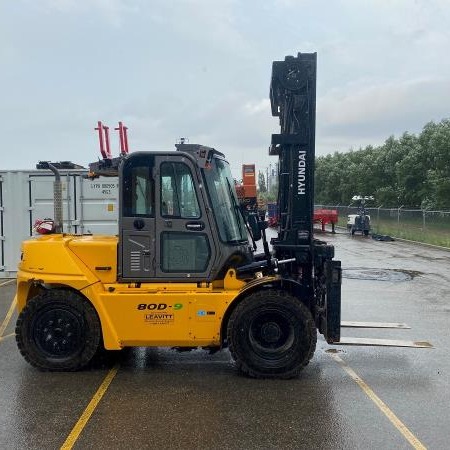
183, 270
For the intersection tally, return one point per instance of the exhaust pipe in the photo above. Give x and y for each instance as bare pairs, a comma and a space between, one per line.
57, 195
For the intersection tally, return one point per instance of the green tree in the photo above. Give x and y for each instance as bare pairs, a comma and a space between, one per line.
412, 171
435, 143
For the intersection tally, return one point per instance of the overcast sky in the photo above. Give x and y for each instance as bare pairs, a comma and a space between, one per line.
201, 69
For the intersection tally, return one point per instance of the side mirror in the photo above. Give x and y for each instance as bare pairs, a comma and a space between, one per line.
255, 226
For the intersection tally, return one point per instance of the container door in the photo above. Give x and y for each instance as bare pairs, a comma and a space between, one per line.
96, 206
41, 200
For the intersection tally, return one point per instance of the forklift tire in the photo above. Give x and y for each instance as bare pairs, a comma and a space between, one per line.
58, 330
271, 334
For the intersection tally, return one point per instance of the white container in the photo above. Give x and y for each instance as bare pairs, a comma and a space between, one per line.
89, 207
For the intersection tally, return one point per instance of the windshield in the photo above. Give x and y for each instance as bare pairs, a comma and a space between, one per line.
224, 202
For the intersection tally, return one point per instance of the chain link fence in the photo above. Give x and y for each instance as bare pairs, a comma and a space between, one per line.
432, 227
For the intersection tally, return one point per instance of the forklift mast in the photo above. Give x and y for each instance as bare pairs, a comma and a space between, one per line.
293, 100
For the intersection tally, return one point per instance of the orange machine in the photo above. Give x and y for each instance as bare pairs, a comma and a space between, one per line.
246, 191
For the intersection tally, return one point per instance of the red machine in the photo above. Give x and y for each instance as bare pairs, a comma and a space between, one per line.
322, 216
325, 216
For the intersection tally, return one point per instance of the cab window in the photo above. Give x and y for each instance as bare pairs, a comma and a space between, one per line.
178, 196
138, 188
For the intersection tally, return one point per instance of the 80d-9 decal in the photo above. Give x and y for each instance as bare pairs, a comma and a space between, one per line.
159, 306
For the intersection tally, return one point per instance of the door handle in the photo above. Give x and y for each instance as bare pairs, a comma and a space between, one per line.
139, 224
195, 226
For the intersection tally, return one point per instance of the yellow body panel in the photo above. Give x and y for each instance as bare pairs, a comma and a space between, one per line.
65, 260
48, 255
161, 314
99, 254
131, 314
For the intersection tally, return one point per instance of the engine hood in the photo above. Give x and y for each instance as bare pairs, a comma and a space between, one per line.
71, 255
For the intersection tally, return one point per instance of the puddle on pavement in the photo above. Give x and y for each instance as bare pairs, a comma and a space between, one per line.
365, 273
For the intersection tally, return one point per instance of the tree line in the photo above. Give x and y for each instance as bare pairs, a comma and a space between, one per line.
411, 171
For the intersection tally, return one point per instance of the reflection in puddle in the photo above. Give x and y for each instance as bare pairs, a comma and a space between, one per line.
365, 273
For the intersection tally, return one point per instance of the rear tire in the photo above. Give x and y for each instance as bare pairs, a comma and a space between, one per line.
271, 335
58, 330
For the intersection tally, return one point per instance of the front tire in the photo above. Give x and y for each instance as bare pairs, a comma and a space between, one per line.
58, 330
271, 335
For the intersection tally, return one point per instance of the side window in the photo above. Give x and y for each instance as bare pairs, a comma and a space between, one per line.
178, 197
138, 188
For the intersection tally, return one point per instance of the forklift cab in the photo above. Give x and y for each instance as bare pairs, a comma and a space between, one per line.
179, 216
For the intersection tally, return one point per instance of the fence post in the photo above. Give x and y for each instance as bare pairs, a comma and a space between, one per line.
378, 219
398, 220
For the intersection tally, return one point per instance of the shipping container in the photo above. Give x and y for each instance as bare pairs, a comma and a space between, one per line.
89, 207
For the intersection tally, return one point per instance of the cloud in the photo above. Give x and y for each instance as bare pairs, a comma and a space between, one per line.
358, 114
201, 69
235, 123
112, 11
209, 23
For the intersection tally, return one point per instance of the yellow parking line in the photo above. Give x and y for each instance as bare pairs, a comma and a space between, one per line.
83, 420
8, 316
415, 443
7, 336
7, 282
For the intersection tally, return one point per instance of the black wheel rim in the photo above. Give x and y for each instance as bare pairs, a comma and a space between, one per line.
271, 334
57, 332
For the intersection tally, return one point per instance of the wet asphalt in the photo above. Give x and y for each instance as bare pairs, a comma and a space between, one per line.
163, 399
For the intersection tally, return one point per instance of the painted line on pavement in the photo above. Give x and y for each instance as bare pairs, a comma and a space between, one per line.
7, 282
8, 316
2, 338
408, 435
90, 408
